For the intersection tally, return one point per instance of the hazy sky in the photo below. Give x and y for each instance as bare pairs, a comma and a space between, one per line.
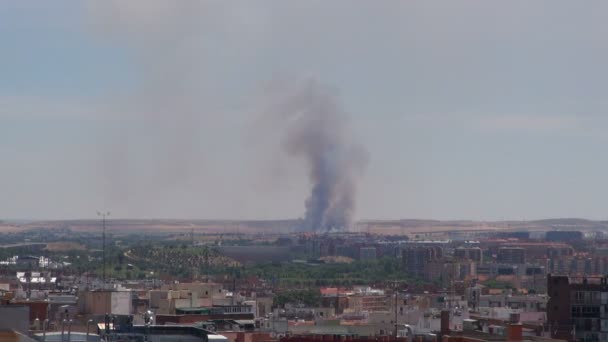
468, 109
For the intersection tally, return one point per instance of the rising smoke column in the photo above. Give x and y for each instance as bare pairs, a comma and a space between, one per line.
318, 131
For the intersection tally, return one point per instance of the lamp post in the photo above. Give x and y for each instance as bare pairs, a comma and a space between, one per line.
62, 329
148, 320
88, 323
45, 325
69, 330
103, 216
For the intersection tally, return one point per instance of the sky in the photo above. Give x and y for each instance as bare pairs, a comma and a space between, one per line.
156, 109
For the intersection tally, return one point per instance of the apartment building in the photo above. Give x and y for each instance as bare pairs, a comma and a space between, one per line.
415, 258
576, 309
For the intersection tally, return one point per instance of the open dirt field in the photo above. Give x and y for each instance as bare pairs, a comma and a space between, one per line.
9, 228
397, 227
64, 246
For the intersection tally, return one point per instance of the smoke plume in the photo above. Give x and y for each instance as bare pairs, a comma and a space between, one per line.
318, 131
171, 98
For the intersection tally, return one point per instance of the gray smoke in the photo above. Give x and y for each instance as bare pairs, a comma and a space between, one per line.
318, 131
171, 99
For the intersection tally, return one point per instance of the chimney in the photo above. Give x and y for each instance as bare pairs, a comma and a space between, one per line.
445, 322
514, 328
515, 332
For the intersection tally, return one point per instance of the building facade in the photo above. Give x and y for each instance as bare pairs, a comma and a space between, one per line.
469, 253
511, 255
577, 308
415, 258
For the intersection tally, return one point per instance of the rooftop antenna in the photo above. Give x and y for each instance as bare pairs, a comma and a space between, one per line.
233, 284
206, 252
195, 264
103, 216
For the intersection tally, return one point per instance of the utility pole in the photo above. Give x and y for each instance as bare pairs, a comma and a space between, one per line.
395, 304
195, 265
103, 238
206, 252
395, 285
233, 288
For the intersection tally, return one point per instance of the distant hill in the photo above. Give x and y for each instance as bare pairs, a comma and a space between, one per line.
565, 221
391, 227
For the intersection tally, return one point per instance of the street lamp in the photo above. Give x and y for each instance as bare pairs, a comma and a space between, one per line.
103, 216
63, 329
88, 323
148, 320
69, 330
45, 325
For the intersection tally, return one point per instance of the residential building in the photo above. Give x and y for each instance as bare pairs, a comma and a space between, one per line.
103, 302
511, 255
445, 272
368, 303
469, 253
576, 307
414, 259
